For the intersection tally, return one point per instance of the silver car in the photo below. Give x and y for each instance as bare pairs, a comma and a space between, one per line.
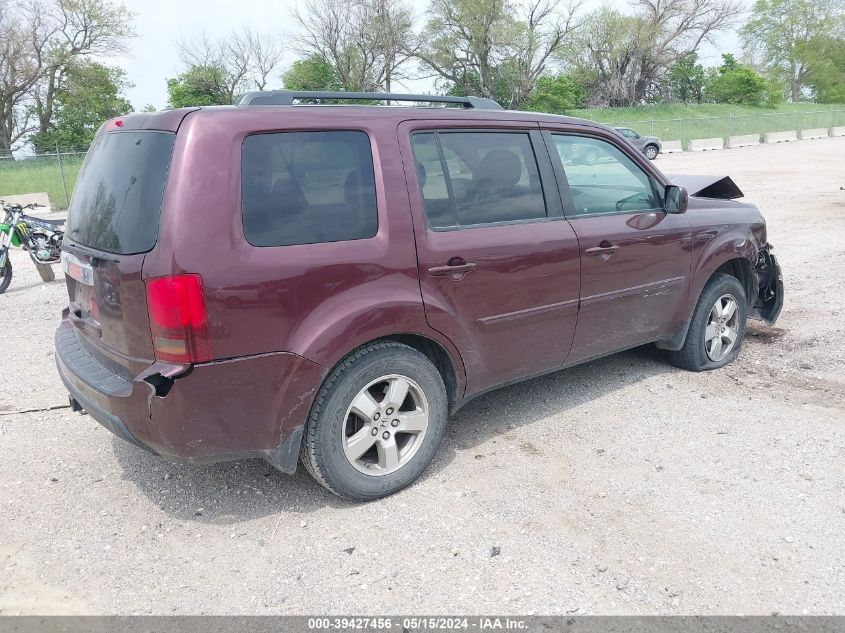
648, 145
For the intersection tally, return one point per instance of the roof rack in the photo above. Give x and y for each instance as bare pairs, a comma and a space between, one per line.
287, 97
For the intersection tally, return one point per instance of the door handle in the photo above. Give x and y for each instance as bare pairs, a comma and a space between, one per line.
609, 249
456, 269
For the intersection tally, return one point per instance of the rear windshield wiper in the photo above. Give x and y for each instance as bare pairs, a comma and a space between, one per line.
78, 249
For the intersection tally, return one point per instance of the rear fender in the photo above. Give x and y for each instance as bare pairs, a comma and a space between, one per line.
349, 320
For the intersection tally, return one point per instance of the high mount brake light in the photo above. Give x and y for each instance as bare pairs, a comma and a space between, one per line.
178, 319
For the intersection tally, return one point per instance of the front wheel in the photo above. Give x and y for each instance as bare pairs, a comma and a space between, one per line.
650, 152
376, 422
717, 326
6, 274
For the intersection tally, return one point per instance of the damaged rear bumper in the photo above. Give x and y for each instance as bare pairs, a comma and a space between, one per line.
769, 301
223, 410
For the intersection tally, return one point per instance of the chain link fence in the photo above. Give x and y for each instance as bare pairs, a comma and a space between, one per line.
53, 173
724, 126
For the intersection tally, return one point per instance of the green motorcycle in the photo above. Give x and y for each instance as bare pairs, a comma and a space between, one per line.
42, 240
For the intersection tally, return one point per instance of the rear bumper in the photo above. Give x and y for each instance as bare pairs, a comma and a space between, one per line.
223, 410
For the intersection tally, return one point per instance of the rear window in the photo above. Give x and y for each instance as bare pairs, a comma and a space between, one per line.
116, 205
307, 187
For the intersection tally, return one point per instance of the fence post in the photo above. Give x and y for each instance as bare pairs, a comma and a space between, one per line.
62, 173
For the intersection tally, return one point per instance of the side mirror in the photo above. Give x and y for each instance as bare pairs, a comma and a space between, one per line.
675, 199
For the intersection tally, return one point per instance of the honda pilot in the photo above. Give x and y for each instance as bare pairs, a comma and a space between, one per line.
327, 284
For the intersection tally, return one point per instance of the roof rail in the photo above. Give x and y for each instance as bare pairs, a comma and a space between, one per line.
287, 97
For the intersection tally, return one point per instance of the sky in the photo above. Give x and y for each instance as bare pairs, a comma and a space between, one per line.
160, 23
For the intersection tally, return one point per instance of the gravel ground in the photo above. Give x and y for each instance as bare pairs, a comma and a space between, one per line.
622, 486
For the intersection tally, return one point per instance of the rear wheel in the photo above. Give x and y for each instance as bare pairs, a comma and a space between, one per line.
717, 326
6, 274
650, 152
376, 423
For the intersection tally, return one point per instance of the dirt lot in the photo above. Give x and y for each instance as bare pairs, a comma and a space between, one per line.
621, 486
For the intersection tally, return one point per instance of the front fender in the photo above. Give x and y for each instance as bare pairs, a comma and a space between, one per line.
721, 244
4, 228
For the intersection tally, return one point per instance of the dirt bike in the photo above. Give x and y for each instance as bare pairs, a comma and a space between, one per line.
41, 239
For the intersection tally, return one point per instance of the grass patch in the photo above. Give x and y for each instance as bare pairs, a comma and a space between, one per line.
40, 173
684, 122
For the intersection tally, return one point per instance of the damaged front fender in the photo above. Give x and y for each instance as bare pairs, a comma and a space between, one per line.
769, 300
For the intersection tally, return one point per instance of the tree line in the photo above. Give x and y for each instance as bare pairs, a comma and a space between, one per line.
544, 55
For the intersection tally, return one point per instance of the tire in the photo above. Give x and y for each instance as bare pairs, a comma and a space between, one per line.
45, 271
651, 152
6, 275
590, 157
395, 458
699, 351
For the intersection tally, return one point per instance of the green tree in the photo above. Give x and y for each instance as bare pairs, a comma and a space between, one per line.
90, 94
555, 94
736, 83
493, 48
625, 56
824, 58
779, 31
199, 86
368, 43
311, 73
686, 79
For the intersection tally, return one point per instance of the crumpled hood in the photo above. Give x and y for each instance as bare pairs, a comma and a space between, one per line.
720, 187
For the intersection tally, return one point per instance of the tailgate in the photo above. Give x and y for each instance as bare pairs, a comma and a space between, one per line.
113, 221
108, 308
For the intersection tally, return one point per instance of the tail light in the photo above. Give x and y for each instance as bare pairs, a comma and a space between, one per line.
178, 319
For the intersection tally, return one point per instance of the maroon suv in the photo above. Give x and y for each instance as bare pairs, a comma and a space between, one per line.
327, 283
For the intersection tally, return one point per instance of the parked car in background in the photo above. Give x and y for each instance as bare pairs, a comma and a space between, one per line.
326, 284
648, 145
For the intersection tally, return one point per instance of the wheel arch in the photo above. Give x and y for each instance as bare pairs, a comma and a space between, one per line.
740, 268
441, 359
729, 256
440, 352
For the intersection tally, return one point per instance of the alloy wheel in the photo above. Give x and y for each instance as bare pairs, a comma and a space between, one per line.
722, 328
385, 425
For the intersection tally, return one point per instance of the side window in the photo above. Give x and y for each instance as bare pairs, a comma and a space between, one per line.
307, 187
602, 179
471, 178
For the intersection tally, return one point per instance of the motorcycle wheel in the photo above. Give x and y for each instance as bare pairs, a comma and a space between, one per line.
46, 272
6, 276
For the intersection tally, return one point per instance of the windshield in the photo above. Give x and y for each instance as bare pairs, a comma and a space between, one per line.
116, 206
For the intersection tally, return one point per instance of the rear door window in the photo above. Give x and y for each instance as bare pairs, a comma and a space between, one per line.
116, 204
476, 178
307, 187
